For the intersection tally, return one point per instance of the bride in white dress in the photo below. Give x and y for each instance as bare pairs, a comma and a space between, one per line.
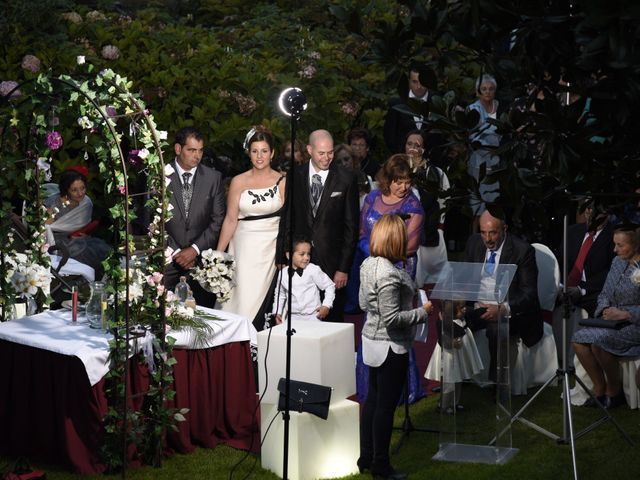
250, 227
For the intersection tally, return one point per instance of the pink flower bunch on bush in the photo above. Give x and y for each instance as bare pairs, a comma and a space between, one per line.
307, 72
246, 104
54, 140
350, 108
73, 17
31, 63
110, 52
7, 86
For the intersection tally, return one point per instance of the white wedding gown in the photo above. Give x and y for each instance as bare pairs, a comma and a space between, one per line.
254, 248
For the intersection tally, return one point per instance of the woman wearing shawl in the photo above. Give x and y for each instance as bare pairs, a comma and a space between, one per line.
69, 212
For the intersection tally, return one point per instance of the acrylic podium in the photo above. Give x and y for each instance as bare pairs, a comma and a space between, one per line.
470, 284
321, 353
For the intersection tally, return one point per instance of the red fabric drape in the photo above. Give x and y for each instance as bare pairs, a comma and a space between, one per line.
49, 412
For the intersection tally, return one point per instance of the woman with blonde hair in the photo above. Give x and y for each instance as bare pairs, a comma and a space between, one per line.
386, 295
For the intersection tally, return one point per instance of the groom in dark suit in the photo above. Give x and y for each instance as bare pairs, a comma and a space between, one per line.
197, 197
326, 210
494, 245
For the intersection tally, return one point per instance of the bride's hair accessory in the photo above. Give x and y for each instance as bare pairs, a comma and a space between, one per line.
250, 134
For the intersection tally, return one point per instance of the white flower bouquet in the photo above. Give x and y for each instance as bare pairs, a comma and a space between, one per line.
215, 273
28, 278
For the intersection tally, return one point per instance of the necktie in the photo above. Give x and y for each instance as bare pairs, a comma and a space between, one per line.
316, 190
575, 275
187, 192
490, 264
299, 271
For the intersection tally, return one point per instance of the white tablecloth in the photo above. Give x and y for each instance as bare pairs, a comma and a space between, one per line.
53, 331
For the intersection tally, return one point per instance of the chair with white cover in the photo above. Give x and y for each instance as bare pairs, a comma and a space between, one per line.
629, 368
537, 364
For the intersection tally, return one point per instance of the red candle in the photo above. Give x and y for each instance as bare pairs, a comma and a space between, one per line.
74, 304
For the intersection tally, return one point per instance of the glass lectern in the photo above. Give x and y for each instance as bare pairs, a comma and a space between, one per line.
468, 286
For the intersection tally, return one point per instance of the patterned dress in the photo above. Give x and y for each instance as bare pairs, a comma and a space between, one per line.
374, 207
618, 291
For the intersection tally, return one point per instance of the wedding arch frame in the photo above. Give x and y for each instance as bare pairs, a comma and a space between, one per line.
104, 105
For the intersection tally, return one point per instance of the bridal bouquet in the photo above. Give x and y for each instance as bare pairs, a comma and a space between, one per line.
215, 273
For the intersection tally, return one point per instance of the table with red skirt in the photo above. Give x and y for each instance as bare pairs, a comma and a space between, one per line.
52, 389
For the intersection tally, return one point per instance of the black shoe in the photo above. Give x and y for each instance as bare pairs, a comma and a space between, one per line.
591, 403
388, 474
617, 401
363, 465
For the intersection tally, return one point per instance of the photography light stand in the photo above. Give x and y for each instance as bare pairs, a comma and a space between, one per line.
292, 103
565, 374
407, 425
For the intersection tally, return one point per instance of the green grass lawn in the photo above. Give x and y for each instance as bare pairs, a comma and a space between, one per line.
601, 453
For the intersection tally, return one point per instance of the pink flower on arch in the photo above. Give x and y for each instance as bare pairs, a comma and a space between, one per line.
54, 140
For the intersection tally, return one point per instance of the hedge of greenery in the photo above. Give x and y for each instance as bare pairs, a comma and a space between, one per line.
219, 68
221, 65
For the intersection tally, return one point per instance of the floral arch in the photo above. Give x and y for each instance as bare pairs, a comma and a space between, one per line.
48, 121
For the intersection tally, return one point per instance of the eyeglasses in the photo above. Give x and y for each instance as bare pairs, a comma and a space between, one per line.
358, 145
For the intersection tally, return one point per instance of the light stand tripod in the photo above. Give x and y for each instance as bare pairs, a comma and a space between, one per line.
292, 102
407, 425
564, 374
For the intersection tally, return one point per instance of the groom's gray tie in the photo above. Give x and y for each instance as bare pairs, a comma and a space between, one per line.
316, 190
187, 192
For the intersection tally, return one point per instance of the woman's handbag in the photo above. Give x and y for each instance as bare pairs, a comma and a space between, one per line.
305, 397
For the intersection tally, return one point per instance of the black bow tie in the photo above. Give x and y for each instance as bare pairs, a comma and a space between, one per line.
299, 271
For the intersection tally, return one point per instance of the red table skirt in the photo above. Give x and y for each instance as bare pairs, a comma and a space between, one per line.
49, 412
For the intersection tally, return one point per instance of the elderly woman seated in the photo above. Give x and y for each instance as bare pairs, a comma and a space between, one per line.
599, 348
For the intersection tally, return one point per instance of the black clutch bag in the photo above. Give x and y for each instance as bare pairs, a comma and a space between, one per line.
602, 323
305, 397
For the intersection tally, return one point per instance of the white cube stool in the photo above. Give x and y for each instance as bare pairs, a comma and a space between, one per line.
317, 448
321, 353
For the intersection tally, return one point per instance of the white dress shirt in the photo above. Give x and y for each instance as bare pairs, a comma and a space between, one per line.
305, 295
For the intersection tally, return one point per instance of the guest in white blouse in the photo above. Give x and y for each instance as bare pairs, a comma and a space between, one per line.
308, 280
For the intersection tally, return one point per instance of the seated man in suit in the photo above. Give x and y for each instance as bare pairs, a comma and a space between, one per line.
494, 246
589, 256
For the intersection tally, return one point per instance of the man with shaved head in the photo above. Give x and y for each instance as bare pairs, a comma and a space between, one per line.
494, 246
326, 210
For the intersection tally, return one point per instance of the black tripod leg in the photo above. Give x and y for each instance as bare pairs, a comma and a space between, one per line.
606, 412
407, 425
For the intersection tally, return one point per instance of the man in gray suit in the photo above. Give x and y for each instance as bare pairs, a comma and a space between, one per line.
197, 197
